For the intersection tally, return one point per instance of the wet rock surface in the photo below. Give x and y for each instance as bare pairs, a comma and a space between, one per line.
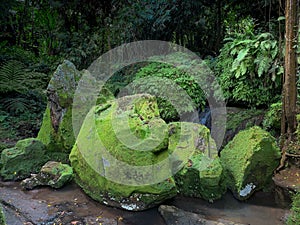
173, 215
53, 174
69, 205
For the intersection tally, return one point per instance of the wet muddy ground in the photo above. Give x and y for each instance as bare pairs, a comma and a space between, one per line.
69, 205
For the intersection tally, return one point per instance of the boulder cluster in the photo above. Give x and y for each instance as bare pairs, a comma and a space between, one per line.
126, 156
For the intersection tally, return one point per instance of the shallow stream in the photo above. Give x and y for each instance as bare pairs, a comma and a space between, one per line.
70, 205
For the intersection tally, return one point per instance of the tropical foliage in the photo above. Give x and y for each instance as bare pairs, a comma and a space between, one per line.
249, 65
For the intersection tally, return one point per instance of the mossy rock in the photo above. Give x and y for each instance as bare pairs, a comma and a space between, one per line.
240, 119
202, 175
25, 158
126, 155
249, 161
56, 131
57, 128
116, 140
53, 174
2, 216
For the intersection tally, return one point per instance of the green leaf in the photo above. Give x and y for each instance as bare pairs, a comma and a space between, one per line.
242, 54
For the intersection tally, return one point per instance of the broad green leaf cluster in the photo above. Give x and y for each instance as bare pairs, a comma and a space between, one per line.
248, 68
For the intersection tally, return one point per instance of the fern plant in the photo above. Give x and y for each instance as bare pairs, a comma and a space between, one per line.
16, 86
14, 77
15, 105
248, 68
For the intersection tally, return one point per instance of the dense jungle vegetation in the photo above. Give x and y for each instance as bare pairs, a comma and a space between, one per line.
241, 41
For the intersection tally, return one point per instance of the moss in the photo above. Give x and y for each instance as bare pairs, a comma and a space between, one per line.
128, 143
56, 174
25, 158
62, 140
272, 119
294, 217
2, 217
112, 193
125, 155
201, 176
249, 161
236, 118
102, 176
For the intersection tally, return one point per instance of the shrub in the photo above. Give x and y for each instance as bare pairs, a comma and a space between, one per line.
272, 120
181, 88
247, 68
294, 217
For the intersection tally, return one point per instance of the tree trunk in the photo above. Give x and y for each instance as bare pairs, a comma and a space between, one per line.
288, 119
290, 89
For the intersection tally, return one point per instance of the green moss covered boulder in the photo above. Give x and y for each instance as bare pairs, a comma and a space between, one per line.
249, 161
53, 174
126, 155
116, 149
56, 131
202, 175
27, 157
2, 217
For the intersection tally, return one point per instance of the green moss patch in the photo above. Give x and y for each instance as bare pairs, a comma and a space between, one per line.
25, 158
249, 161
126, 155
107, 147
53, 174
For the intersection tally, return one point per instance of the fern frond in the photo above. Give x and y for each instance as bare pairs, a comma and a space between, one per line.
16, 105
14, 77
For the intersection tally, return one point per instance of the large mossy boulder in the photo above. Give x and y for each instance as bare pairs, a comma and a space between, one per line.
56, 131
27, 157
126, 155
202, 175
108, 162
249, 161
53, 174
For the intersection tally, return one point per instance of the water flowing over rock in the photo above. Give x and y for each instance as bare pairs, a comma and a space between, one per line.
126, 155
25, 158
249, 161
53, 174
